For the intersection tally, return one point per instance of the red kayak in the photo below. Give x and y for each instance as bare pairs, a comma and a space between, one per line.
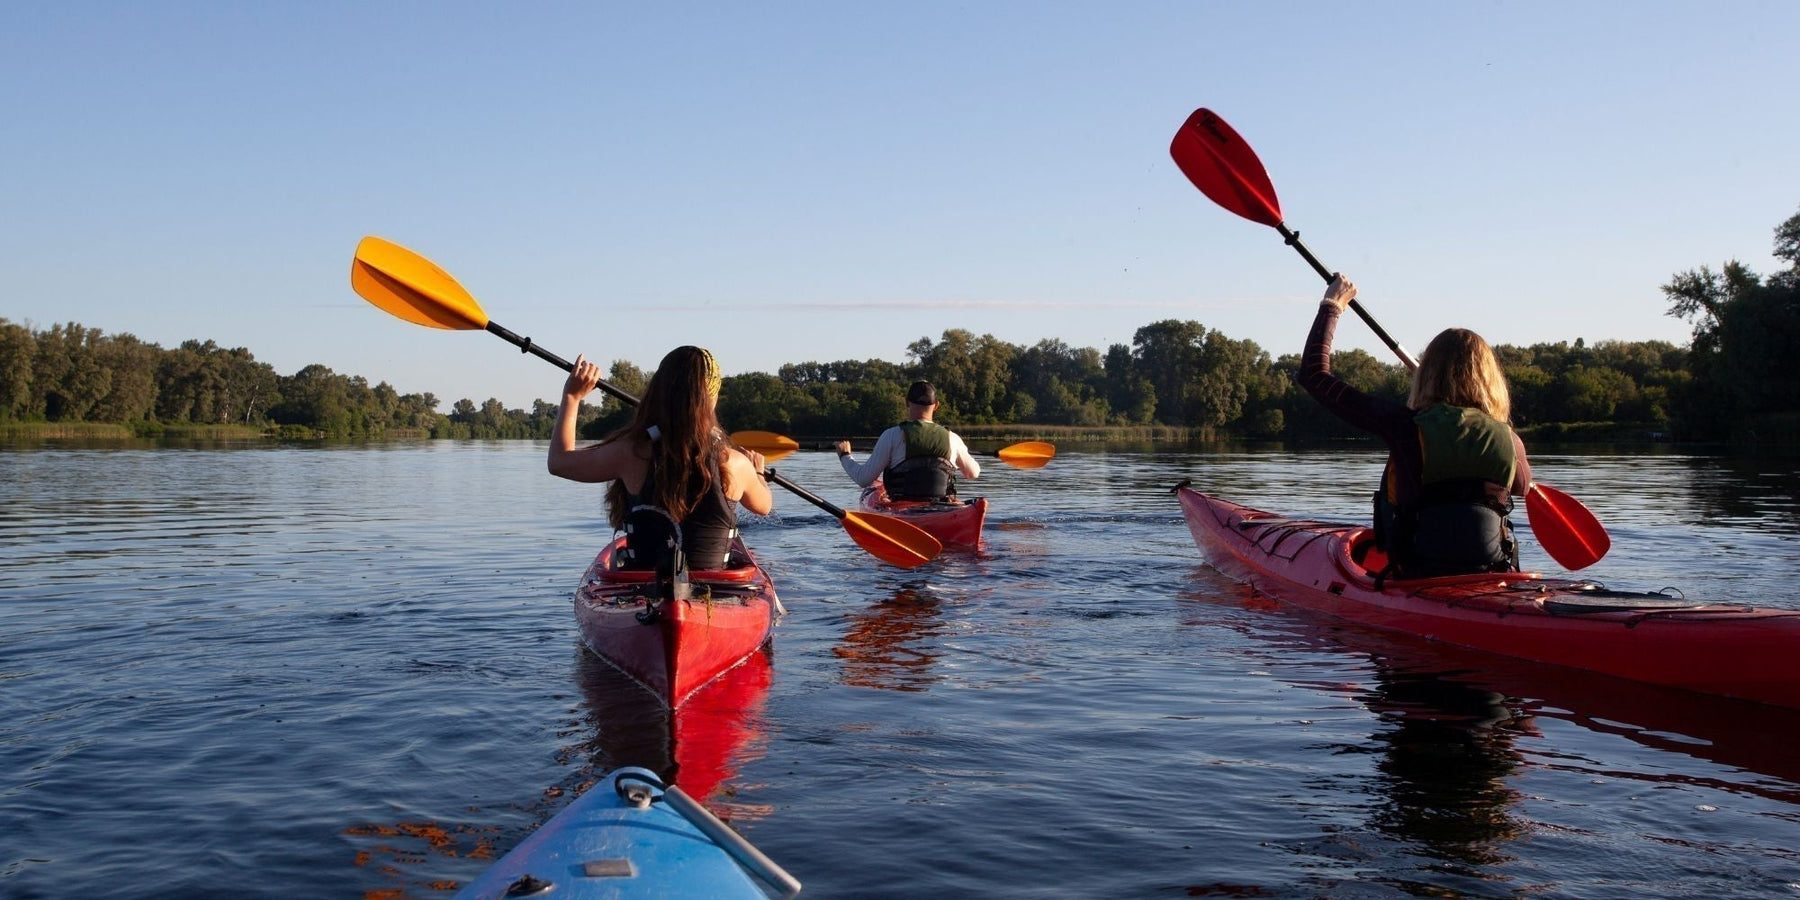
955, 523
1737, 651
674, 647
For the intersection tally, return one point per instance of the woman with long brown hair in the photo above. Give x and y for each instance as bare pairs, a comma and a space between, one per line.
1454, 462
672, 456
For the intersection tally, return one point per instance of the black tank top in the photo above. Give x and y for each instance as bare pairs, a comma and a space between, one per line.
711, 522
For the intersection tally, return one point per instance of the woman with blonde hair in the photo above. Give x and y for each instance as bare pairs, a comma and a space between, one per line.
671, 458
1454, 462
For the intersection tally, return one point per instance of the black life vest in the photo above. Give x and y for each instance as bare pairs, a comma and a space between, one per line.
1458, 523
703, 538
926, 473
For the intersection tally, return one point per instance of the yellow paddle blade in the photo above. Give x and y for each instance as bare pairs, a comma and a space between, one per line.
410, 286
772, 446
891, 540
1027, 454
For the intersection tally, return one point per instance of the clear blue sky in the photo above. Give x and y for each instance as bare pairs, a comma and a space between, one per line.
821, 181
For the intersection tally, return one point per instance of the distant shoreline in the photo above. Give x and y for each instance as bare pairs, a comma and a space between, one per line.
1167, 435
113, 431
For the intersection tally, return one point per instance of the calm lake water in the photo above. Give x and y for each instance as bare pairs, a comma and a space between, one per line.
343, 672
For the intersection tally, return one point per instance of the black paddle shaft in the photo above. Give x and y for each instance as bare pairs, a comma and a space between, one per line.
526, 346
1293, 240
805, 494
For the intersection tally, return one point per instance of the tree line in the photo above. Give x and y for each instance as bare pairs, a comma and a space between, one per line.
1174, 372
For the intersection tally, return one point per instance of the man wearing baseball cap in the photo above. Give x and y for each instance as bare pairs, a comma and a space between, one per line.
917, 459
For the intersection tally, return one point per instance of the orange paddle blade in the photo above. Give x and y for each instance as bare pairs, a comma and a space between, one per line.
891, 540
1569, 533
1027, 454
772, 446
412, 287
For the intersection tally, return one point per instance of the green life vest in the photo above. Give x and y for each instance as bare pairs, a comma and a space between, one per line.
1460, 443
1458, 523
926, 473
925, 439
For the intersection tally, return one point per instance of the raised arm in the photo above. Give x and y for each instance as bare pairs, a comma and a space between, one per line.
1373, 414
599, 462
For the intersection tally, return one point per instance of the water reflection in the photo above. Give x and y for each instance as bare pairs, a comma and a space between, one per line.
1747, 491
1459, 729
889, 645
698, 746
1445, 760
1467, 708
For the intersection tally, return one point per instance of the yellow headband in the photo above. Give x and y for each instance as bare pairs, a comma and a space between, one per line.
714, 381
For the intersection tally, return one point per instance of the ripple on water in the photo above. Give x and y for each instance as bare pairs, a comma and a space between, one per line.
355, 671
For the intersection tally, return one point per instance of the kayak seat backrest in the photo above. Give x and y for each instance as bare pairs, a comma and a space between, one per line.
651, 536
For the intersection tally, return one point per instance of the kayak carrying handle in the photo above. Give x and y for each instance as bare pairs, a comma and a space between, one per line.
746, 854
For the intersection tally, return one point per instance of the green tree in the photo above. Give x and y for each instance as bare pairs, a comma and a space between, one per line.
203, 382
971, 374
626, 376
1131, 397
132, 393
18, 356
247, 388
1201, 377
760, 401
1060, 385
68, 379
1165, 354
1227, 370
1531, 389
808, 373
1593, 394
542, 419
1746, 332
180, 383
873, 406
418, 411
315, 397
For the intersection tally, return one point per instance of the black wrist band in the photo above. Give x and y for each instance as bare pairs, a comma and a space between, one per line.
843, 453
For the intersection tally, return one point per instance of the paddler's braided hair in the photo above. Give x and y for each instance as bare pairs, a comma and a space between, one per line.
676, 428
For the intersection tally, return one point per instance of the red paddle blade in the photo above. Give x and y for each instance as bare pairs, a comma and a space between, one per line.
1569, 533
1224, 168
